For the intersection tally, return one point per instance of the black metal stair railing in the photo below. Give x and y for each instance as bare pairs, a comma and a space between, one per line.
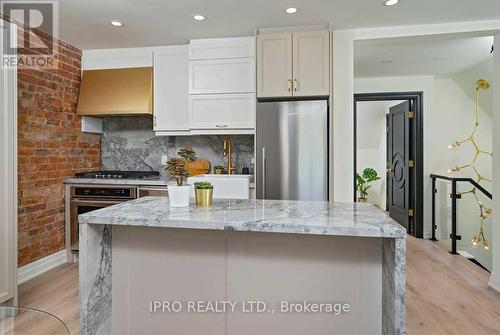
454, 196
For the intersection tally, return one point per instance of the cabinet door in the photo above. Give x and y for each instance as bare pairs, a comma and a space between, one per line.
222, 76
8, 180
274, 65
311, 63
222, 48
171, 89
222, 111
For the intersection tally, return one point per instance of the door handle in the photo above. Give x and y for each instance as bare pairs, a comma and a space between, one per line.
221, 125
263, 172
388, 169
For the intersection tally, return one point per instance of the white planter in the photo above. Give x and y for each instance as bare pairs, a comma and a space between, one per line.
179, 195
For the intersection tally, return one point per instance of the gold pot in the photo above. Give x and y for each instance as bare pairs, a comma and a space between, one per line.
362, 199
203, 196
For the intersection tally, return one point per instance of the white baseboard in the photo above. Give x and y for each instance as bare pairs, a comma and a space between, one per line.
494, 282
36, 268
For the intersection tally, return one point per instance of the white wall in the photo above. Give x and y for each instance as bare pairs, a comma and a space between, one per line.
448, 116
342, 107
466, 80
407, 84
371, 147
495, 275
458, 107
342, 119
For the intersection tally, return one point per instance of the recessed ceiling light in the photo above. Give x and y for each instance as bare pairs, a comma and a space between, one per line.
116, 23
386, 61
391, 2
199, 17
291, 10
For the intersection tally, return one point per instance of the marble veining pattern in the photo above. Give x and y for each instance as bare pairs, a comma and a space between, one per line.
278, 216
129, 143
296, 217
394, 286
95, 273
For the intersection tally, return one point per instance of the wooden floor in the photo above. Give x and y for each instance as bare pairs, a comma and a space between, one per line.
55, 292
446, 294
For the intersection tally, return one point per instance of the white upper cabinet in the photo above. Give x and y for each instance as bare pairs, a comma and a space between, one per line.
212, 76
311, 63
222, 86
274, 65
102, 59
222, 48
293, 64
171, 116
222, 112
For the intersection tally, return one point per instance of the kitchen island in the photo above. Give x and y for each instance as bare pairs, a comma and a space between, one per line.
262, 266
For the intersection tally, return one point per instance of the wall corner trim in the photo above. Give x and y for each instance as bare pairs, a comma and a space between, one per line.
36, 268
494, 282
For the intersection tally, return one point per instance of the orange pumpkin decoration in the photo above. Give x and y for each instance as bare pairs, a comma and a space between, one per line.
198, 166
195, 166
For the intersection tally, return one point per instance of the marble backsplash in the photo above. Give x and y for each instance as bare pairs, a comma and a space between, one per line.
129, 143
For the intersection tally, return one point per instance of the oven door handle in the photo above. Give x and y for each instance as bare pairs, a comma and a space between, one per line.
96, 203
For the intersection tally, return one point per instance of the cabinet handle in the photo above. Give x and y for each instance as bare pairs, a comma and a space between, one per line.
221, 125
154, 120
263, 172
289, 85
295, 84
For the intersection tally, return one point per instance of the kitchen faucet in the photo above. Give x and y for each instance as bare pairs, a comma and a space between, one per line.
227, 152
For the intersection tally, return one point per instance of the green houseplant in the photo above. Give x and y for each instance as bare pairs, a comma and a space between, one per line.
179, 193
203, 191
176, 168
363, 183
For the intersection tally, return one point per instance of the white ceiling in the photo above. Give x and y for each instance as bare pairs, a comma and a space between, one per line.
441, 55
84, 23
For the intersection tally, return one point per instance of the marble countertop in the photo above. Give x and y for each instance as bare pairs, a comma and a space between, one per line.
155, 181
272, 216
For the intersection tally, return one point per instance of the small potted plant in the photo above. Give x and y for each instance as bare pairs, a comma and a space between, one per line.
218, 169
179, 192
363, 182
203, 191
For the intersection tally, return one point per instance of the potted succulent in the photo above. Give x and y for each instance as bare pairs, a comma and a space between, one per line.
218, 169
363, 182
203, 191
179, 192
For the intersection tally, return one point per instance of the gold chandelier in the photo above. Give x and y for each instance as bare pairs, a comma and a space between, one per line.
484, 212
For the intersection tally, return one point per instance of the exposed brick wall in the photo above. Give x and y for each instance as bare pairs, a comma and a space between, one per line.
51, 147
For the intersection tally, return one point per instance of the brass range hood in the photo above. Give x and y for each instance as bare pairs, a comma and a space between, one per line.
116, 92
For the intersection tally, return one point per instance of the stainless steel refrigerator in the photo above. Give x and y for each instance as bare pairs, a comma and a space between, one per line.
292, 150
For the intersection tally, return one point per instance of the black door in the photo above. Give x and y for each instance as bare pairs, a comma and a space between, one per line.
398, 156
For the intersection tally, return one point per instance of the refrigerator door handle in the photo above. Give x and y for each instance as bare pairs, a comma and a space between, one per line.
263, 172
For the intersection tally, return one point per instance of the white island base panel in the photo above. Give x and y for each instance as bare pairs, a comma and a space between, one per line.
124, 268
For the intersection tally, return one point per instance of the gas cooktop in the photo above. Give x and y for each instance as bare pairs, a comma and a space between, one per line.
118, 174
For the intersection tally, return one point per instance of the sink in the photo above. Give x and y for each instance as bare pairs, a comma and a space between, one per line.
235, 186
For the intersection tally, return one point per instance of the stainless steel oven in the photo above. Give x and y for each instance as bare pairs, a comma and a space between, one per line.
85, 199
